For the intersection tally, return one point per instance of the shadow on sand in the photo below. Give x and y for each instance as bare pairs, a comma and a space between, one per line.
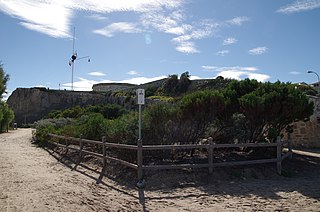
301, 174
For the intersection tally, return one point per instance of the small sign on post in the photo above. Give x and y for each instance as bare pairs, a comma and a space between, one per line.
140, 94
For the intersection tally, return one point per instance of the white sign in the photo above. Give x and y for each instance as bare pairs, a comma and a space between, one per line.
140, 95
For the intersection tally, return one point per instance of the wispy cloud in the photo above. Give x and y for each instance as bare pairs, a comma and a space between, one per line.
209, 67
229, 41
237, 72
258, 50
113, 28
166, 16
238, 21
186, 47
295, 72
97, 74
98, 17
300, 6
223, 53
229, 68
41, 15
132, 72
185, 43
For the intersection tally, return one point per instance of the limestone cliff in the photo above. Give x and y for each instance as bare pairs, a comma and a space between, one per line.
32, 104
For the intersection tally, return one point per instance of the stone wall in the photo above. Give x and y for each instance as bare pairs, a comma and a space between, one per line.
113, 87
307, 134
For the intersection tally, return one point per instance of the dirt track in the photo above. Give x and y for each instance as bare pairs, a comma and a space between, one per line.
32, 180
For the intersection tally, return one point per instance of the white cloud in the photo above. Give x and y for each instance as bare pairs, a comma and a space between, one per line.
229, 41
238, 20
6, 95
97, 74
133, 72
98, 17
238, 75
53, 17
185, 43
258, 50
209, 67
83, 84
194, 77
295, 72
223, 52
237, 72
41, 16
141, 80
187, 47
113, 28
300, 6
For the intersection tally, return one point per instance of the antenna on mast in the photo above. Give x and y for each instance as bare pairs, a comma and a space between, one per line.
74, 57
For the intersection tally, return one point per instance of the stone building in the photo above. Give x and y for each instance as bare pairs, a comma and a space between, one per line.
307, 134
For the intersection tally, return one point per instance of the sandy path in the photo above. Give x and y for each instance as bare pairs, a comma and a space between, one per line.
32, 180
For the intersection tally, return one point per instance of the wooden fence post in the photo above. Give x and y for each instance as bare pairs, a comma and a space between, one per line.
80, 153
139, 159
279, 159
104, 159
210, 155
290, 145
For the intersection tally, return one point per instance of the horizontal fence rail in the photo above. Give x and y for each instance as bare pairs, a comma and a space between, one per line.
140, 148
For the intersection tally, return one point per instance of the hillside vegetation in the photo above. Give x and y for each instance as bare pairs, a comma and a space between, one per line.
227, 110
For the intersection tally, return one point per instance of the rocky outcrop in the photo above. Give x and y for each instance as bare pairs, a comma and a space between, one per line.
32, 104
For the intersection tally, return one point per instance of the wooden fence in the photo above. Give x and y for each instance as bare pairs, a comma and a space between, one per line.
140, 167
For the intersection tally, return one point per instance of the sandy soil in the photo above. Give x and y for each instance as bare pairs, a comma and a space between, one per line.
32, 179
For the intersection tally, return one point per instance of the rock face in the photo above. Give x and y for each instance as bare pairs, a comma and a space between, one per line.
32, 104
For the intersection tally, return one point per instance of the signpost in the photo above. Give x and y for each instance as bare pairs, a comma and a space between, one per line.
140, 98
141, 101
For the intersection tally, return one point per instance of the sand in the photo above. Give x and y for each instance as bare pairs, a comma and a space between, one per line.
32, 179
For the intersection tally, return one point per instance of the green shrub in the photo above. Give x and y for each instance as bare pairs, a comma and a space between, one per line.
123, 129
93, 126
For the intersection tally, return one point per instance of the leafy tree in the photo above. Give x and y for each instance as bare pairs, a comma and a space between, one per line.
174, 86
196, 112
170, 84
156, 121
93, 126
272, 107
4, 78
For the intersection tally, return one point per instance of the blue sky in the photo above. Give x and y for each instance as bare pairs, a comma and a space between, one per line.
137, 41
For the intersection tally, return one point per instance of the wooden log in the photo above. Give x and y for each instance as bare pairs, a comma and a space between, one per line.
125, 163
104, 160
231, 163
121, 146
80, 154
206, 146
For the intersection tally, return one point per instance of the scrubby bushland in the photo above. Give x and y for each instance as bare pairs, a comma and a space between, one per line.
109, 111
246, 111
45, 126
